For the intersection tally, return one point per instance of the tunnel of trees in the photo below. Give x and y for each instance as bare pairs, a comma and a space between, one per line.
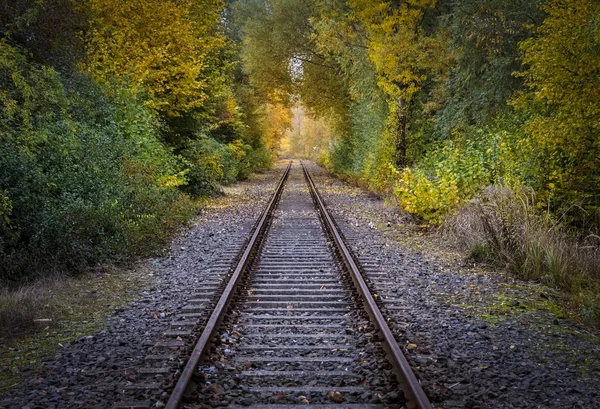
479, 116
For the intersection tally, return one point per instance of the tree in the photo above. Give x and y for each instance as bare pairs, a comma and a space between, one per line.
48, 29
162, 48
484, 36
401, 54
562, 72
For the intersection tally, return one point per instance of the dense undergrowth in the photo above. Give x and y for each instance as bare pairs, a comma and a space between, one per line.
111, 131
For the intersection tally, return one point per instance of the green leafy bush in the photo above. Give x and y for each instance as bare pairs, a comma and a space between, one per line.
212, 163
457, 170
83, 174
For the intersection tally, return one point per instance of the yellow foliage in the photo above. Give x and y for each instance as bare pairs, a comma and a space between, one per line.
6, 207
562, 74
276, 120
212, 164
237, 149
174, 180
423, 197
397, 47
160, 47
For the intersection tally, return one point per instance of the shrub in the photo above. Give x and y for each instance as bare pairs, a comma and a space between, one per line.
457, 170
212, 163
429, 199
83, 175
258, 160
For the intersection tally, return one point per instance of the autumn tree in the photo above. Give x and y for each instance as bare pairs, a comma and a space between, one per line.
401, 54
162, 48
281, 57
95, 165
562, 72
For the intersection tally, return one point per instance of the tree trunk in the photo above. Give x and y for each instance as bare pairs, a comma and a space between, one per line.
401, 142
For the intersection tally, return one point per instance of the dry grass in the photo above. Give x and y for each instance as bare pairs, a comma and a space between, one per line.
66, 308
20, 307
24, 308
504, 227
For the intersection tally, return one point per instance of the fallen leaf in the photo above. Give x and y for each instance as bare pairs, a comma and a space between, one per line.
335, 396
410, 346
303, 399
323, 287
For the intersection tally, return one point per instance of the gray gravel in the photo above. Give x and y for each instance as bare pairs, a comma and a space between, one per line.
301, 358
98, 370
475, 338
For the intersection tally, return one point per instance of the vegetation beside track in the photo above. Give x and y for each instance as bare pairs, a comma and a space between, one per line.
478, 116
110, 130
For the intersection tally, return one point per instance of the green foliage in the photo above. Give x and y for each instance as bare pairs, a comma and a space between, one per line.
92, 166
84, 177
48, 29
428, 83
460, 167
483, 40
211, 163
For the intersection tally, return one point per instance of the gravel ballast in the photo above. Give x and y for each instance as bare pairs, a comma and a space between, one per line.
98, 370
475, 338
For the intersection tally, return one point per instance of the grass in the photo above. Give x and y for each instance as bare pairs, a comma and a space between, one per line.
506, 228
38, 318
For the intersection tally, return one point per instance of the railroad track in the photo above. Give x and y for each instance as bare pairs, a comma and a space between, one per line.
295, 323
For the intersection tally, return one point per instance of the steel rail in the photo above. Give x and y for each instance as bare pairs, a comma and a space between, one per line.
221, 307
416, 398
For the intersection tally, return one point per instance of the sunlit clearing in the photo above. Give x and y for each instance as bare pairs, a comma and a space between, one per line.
308, 137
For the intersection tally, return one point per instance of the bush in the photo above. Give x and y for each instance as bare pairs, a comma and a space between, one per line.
212, 163
458, 169
257, 160
83, 175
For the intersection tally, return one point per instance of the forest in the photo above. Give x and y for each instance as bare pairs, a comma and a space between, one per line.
479, 118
